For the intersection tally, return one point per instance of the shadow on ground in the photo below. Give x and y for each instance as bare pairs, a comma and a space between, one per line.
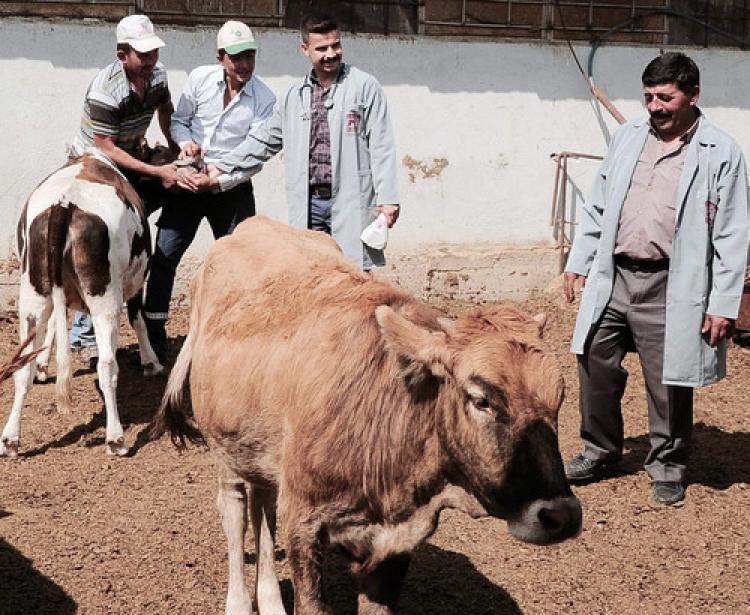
24, 590
435, 576
138, 399
718, 459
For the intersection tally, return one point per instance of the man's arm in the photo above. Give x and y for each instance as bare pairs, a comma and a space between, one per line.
164, 115
167, 173
264, 141
382, 152
586, 242
729, 239
182, 121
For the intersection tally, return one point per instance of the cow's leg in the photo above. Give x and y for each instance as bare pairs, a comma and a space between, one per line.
263, 515
380, 588
106, 327
306, 561
232, 504
149, 361
42, 360
32, 308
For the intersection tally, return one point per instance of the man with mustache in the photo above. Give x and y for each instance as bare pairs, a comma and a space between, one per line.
119, 105
339, 154
220, 104
660, 257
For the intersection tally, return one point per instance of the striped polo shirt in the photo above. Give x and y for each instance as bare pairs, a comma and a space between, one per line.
112, 109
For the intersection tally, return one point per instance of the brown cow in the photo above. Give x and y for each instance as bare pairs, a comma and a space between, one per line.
363, 410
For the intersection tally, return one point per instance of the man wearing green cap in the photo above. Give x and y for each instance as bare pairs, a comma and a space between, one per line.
219, 105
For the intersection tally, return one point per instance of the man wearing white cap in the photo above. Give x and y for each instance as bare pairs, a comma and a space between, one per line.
119, 105
122, 99
220, 104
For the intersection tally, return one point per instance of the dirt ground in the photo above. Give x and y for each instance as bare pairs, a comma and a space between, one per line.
81, 533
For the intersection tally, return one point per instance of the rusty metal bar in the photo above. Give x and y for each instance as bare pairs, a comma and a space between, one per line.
558, 216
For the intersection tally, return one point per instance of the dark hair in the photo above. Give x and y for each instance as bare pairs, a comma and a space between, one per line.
318, 23
124, 47
672, 67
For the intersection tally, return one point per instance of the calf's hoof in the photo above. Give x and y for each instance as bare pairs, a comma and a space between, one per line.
117, 447
9, 448
41, 374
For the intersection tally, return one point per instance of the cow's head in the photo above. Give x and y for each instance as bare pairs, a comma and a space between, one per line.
499, 393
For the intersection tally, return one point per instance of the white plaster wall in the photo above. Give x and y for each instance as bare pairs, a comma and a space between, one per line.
494, 110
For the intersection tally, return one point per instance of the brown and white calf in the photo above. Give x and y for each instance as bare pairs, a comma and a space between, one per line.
361, 412
84, 243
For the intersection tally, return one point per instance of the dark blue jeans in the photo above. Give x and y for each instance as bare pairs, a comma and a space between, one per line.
178, 224
320, 214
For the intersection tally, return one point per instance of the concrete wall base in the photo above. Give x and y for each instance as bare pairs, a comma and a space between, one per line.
488, 273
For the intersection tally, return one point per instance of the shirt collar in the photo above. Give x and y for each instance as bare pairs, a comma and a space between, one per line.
222, 84
313, 79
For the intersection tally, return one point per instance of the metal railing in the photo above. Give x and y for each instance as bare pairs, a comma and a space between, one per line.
562, 221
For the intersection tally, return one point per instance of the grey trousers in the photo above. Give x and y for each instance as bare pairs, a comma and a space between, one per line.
634, 320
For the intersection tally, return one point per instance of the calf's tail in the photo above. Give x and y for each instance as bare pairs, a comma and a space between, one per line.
57, 237
18, 360
174, 412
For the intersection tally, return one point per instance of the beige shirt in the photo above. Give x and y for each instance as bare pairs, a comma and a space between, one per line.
648, 214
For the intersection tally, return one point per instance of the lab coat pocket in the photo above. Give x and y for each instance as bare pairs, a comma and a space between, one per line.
353, 123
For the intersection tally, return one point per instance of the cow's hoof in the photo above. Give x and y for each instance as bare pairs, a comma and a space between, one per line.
117, 447
9, 448
41, 374
153, 369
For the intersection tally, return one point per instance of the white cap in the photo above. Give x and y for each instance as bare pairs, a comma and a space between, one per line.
235, 37
138, 32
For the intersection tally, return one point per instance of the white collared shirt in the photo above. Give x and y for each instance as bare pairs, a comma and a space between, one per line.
200, 116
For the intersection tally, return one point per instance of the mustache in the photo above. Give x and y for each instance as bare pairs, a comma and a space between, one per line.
660, 115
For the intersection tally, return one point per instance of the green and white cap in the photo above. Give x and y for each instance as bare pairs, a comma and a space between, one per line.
235, 37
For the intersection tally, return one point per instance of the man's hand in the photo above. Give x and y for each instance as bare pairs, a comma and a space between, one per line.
213, 172
716, 328
167, 173
198, 182
391, 213
189, 150
573, 283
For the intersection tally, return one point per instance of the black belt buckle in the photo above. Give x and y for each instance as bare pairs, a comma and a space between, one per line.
320, 191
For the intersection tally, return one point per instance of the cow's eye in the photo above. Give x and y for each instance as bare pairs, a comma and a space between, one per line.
482, 403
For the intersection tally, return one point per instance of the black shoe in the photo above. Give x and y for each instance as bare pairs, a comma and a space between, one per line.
667, 492
581, 469
89, 356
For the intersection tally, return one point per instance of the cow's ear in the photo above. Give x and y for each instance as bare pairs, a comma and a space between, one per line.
416, 345
541, 321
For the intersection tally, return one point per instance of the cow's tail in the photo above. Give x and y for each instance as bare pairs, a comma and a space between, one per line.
57, 236
175, 412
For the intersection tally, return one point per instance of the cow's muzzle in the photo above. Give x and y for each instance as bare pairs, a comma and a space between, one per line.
547, 521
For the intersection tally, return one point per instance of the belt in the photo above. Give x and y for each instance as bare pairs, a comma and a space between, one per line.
636, 264
320, 191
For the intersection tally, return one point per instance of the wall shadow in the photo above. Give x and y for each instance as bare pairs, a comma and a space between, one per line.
24, 590
718, 458
438, 581
469, 65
